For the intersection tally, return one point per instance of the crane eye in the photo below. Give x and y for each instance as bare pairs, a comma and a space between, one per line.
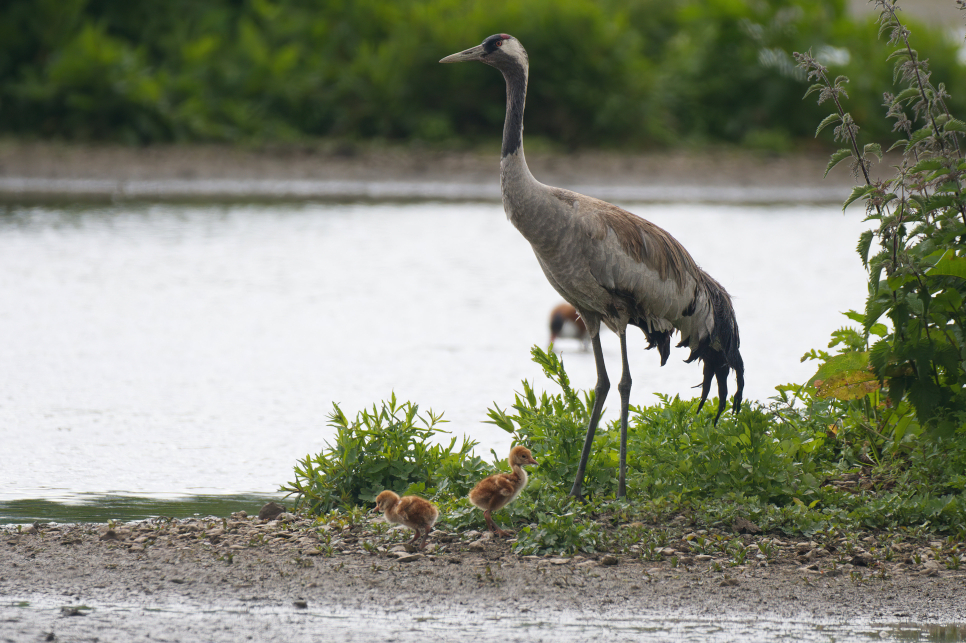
499, 43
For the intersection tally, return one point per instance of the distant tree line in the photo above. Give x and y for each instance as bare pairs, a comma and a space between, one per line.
604, 73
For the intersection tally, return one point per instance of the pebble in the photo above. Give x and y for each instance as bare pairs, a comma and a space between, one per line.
409, 558
477, 546
609, 560
270, 511
861, 559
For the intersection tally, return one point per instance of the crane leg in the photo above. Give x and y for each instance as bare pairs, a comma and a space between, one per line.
600, 394
624, 388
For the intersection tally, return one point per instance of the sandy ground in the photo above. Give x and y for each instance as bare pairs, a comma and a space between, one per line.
293, 579
44, 170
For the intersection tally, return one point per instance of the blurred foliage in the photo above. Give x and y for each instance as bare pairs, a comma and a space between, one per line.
620, 73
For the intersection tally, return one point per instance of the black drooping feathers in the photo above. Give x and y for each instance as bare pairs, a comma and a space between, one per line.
719, 351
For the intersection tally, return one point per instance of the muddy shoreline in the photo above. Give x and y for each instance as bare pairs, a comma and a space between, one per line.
49, 171
291, 574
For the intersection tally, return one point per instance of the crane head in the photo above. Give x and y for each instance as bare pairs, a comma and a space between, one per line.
498, 50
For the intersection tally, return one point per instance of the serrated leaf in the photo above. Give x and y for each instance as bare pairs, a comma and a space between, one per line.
907, 93
873, 311
901, 142
841, 363
817, 87
828, 120
898, 53
837, 158
858, 192
865, 242
874, 149
851, 385
879, 330
926, 165
855, 316
919, 135
950, 265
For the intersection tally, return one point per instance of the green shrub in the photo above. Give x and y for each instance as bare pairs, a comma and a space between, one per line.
616, 73
759, 453
387, 448
554, 426
912, 340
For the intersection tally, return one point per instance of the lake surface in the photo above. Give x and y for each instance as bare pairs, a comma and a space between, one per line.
167, 351
201, 620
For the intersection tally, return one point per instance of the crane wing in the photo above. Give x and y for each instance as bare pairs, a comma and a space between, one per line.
644, 267
656, 285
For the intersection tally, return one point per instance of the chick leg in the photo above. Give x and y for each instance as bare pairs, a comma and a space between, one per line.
492, 525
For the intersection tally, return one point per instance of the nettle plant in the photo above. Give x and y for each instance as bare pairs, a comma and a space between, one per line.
911, 350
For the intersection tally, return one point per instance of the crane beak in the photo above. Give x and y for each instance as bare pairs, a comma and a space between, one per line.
473, 53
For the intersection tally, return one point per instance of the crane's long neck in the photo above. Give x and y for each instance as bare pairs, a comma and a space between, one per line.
516, 98
520, 189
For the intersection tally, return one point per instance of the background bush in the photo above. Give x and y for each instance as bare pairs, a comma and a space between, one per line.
619, 73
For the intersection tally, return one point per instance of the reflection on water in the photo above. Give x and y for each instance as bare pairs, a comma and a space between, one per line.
102, 508
183, 350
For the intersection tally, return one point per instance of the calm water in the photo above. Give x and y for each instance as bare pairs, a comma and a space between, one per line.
171, 351
200, 620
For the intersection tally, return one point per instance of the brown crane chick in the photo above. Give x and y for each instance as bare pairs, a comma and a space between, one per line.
565, 323
412, 511
497, 491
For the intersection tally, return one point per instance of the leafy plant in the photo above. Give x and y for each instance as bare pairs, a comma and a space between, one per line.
554, 426
758, 453
921, 233
387, 448
558, 533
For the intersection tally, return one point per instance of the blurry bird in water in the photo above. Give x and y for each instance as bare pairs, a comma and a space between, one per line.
615, 268
565, 323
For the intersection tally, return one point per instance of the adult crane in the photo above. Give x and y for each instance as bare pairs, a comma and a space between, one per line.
614, 267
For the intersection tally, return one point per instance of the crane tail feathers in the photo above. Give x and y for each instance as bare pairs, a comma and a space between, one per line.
719, 352
705, 383
661, 340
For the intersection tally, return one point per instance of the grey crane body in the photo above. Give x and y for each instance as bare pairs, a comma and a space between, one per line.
615, 268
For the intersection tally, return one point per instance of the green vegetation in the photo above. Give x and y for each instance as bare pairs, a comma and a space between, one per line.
618, 73
876, 440
388, 448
